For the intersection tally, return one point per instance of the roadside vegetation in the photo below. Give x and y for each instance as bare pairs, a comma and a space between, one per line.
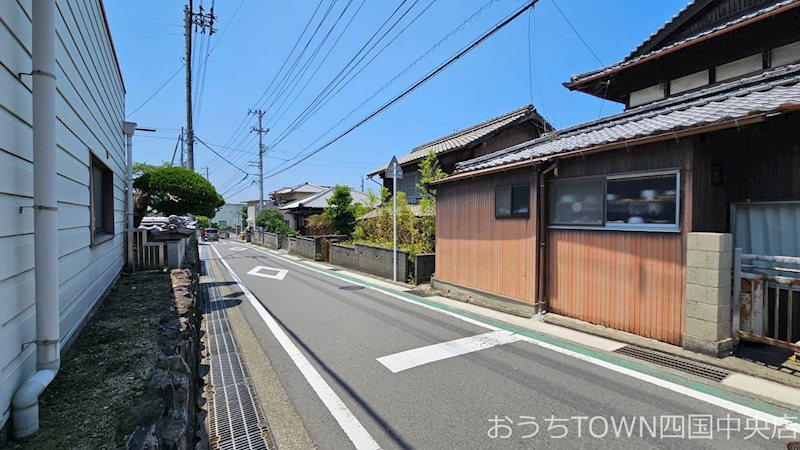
416, 234
173, 190
272, 221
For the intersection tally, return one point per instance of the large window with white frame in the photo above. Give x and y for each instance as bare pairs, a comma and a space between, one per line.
634, 201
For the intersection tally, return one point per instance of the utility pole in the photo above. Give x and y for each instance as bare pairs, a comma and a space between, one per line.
183, 164
207, 178
261, 132
200, 20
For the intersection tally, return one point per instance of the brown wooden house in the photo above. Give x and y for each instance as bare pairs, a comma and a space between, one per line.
594, 221
505, 130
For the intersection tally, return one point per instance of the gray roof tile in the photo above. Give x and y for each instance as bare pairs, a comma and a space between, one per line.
629, 60
466, 136
760, 93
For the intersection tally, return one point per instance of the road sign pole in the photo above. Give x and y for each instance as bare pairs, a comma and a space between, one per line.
394, 171
394, 231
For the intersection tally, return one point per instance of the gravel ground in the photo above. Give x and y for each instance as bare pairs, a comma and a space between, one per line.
106, 369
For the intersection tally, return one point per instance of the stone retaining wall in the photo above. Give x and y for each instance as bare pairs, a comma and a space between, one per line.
175, 385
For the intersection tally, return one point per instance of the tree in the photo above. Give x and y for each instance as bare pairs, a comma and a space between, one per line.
341, 212
429, 171
140, 168
272, 220
179, 191
202, 222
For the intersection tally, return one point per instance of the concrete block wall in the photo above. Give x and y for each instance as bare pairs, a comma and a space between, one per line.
303, 246
344, 256
378, 261
707, 315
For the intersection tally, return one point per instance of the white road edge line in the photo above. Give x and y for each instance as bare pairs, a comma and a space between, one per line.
674, 387
408, 359
356, 432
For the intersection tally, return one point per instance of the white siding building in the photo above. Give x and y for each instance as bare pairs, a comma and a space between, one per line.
90, 108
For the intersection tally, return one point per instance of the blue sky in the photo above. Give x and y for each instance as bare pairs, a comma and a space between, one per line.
250, 47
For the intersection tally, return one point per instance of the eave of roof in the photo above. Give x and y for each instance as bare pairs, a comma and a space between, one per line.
111, 42
721, 106
582, 79
510, 118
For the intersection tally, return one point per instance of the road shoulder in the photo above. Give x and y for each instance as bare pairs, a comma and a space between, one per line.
286, 426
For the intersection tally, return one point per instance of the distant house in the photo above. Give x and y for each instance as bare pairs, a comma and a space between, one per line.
593, 221
298, 211
286, 195
520, 125
88, 206
229, 215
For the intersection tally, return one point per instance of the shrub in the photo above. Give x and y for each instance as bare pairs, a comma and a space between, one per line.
341, 213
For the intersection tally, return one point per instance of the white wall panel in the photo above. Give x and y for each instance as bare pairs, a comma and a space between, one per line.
90, 109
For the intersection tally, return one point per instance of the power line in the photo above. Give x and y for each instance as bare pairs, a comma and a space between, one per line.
220, 156
586, 44
328, 94
157, 91
241, 127
385, 86
174, 152
320, 64
416, 85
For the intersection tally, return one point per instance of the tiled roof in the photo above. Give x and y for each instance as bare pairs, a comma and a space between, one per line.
762, 93
698, 36
466, 136
320, 200
171, 223
302, 187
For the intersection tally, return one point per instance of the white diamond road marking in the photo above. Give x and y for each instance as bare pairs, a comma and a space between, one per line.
437, 352
237, 249
278, 275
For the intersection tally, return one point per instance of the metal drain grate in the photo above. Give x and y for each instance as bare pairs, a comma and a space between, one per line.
235, 419
674, 362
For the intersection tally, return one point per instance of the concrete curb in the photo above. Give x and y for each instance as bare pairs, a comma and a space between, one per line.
730, 363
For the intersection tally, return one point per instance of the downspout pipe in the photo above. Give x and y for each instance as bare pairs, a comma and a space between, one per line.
129, 128
25, 404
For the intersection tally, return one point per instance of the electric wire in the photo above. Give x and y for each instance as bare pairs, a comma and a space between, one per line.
410, 89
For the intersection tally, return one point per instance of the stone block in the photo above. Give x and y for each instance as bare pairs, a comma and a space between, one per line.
707, 312
717, 242
707, 259
700, 328
696, 292
718, 296
708, 277
712, 348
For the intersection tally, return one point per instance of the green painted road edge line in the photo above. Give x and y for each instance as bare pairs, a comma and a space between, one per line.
603, 356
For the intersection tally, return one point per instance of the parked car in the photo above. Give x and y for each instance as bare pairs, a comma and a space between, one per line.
211, 234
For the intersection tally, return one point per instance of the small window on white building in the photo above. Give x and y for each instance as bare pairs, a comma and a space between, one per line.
102, 199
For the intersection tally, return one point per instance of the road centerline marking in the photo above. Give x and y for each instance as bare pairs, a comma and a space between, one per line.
409, 359
348, 422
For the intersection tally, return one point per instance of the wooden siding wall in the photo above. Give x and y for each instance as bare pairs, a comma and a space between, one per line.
474, 249
631, 281
756, 163
90, 106
627, 281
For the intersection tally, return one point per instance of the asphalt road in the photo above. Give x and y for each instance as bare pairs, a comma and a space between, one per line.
496, 397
